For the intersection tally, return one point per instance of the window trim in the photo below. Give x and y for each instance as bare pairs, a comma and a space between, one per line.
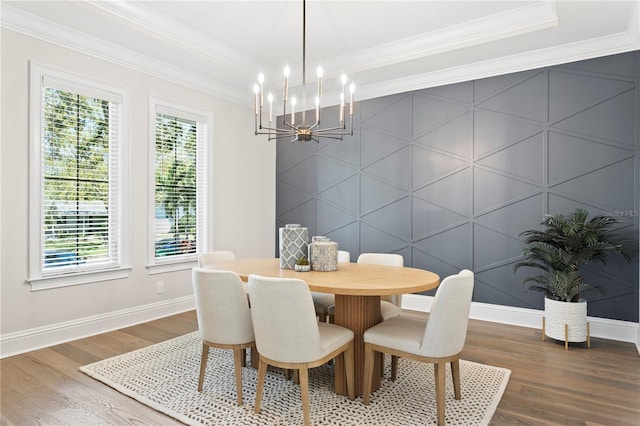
201, 117
38, 73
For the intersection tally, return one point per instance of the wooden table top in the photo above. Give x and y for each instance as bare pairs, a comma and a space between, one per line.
356, 279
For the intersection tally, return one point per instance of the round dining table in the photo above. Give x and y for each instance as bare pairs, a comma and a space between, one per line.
357, 288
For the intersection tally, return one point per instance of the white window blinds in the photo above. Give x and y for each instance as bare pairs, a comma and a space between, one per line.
179, 175
79, 194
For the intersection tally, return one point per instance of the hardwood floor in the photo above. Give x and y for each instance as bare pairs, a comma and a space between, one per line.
548, 385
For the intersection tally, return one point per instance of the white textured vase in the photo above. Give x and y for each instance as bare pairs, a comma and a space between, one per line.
323, 254
558, 313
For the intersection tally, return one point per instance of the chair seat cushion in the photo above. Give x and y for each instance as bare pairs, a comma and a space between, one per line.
389, 310
333, 336
322, 301
402, 333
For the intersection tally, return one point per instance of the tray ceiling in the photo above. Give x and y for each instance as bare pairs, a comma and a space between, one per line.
385, 46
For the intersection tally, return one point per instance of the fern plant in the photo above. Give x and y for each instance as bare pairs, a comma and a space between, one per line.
565, 245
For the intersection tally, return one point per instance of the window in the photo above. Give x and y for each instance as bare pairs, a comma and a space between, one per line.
179, 223
77, 180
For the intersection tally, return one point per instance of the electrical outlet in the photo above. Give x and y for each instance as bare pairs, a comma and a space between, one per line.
160, 287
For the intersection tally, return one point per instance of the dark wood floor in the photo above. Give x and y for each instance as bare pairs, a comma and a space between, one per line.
548, 385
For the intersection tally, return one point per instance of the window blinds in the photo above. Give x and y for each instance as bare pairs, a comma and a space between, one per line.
80, 188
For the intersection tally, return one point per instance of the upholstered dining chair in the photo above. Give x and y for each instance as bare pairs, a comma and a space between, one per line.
289, 336
390, 306
215, 256
438, 340
224, 318
323, 302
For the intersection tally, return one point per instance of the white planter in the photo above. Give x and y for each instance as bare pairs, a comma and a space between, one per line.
558, 314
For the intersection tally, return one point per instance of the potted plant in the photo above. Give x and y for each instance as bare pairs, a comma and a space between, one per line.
559, 252
302, 264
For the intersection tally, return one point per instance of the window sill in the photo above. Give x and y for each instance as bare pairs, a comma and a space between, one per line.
160, 268
46, 283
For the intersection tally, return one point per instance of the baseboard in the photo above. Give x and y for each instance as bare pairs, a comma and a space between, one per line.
42, 337
605, 328
54, 334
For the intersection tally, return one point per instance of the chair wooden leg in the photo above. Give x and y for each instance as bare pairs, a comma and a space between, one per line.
262, 375
394, 368
349, 362
296, 377
368, 373
203, 365
244, 358
439, 370
304, 391
238, 356
455, 373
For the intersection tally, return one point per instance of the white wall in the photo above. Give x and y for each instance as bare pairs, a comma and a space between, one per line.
243, 203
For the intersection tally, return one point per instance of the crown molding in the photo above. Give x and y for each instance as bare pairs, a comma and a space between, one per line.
33, 26
622, 42
525, 19
175, 32
518, 21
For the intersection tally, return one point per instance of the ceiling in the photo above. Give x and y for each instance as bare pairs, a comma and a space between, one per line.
385, 47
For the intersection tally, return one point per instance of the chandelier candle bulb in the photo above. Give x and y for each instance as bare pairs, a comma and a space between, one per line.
255, 90
319, 71
318, 109
286, 82
261, 81
293, 110
352, 88
270, 99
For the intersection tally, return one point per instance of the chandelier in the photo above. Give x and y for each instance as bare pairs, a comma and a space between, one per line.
303, 131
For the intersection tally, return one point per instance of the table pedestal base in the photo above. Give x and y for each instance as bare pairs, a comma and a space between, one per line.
357, 313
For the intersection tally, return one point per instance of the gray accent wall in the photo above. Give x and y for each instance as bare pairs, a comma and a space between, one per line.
449, 176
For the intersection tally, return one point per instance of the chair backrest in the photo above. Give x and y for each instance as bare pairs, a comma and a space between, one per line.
222, 307
215, 256
387, 259
284, 319
446, 329
344, 256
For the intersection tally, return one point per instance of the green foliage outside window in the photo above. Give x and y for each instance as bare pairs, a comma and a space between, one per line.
175, 175
76, 177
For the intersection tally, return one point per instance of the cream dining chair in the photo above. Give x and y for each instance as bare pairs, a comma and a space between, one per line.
224, 318
289, 336
215, 256
323, 302
390, 306
438, 340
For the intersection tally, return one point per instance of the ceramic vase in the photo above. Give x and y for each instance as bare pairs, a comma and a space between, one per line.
293, 245
323, 254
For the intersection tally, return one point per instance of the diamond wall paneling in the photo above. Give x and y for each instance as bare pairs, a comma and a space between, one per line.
451, 192
430, 112
430, 166
510, 101
453, 137
522, 159
449, 176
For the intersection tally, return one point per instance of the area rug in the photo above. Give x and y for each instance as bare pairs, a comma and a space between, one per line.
164, 377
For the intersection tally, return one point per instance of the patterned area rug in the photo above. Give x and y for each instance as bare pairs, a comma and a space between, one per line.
165, 377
